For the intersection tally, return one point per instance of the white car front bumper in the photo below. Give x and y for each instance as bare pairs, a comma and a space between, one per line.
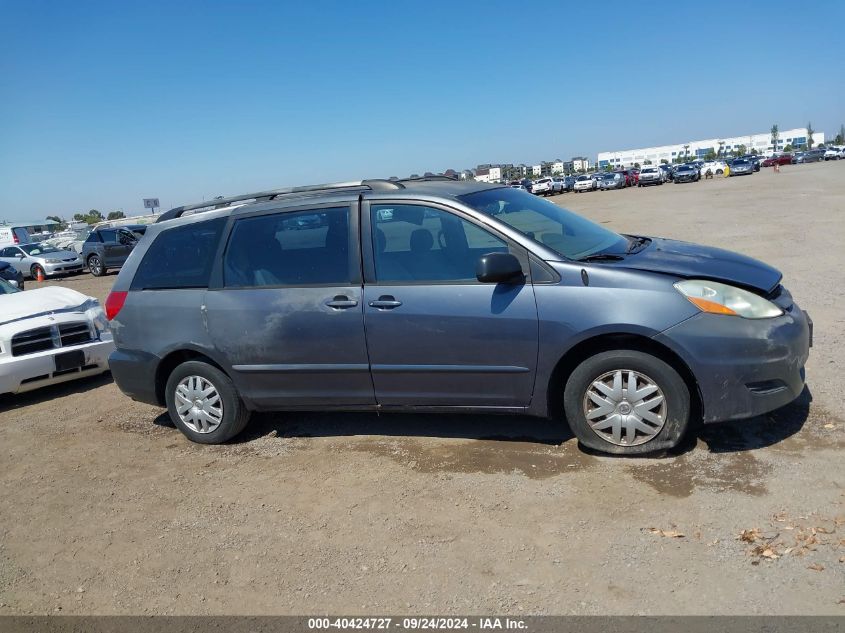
32, 371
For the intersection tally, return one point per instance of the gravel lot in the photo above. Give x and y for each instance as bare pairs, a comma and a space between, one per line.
107, 509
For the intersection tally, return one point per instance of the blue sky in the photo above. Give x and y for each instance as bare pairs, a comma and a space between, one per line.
105, 103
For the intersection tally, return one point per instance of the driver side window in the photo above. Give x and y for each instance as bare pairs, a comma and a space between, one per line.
415, 243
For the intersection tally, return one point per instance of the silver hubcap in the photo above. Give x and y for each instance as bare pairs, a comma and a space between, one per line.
625, 407
198, 404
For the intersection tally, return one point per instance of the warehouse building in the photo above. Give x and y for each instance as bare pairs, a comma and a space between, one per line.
692, 150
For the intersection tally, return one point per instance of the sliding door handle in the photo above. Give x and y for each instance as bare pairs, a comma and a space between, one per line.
385, 302
341, 302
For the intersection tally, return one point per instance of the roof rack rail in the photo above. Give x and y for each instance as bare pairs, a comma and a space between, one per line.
428, 179
220, 203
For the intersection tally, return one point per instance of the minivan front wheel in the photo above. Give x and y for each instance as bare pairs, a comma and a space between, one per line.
627, 402
203, 403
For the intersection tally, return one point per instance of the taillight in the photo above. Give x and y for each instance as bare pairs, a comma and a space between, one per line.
15, 237
114, 303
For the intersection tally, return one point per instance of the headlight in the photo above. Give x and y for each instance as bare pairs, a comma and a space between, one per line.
716, 298
53, 261
94, 312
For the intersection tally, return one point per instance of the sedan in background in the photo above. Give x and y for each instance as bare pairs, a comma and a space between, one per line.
30, 259
778, 159
584, 183
832, 153
741, 167
614, 180
686, 173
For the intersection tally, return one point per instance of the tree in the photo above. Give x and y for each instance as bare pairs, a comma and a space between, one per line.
608, 167
741, 150
62, 225
646, 162
810, 131
710, 155
775, 137
840, 138
636, 165
79, 217
663, 161
721, 147
115, 215
788, 148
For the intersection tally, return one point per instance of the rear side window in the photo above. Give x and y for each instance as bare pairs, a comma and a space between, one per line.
108, 235
302, 248
180, 257
94, 236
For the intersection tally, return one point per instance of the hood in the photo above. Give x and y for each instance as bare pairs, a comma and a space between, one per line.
24, 305
689, 260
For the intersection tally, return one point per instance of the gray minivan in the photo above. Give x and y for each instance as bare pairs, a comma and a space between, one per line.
438, 295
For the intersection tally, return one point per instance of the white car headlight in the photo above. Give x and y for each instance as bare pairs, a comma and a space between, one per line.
53, 261
718, 298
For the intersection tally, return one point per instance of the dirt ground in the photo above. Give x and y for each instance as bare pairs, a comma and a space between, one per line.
107, 509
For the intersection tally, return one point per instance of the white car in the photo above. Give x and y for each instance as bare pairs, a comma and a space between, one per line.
547, 187
832, 153
48, 336
716, 167
584, 183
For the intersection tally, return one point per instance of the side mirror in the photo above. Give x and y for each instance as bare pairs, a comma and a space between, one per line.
20, 255
494, 268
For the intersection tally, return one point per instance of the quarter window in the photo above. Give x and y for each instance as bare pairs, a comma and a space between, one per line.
301, 248
417, 243
180, 257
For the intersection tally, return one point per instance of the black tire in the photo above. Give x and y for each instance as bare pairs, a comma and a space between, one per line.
95, 266
235, 414
34, 271
677, 400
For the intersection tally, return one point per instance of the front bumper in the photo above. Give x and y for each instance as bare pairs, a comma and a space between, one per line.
744, 367
62, 268
32, 371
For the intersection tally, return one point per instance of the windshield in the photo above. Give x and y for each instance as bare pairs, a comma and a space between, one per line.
544, 222
39, 249
6, 288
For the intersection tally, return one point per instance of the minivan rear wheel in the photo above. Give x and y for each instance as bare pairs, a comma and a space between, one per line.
627, 402
203, 403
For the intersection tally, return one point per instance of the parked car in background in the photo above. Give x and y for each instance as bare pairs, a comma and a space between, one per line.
11, 274
547, 187
667, 334
560, 183
613, 180
29, 259
779, 159
568, 183
50, 335
584, 182
686, 173
107, 248
813, 155
524, 184
629, 176
832, 153
13, 235
716, 167
741, 167
650, 176
666, 170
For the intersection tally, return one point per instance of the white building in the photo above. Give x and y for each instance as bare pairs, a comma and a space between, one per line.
557, 167
580, 162
495, 174
536, 170
698, 149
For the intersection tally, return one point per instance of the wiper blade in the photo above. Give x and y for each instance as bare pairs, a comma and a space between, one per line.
602, 257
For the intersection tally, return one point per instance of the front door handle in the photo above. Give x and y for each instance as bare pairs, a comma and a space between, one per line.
341, 302
385, 302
